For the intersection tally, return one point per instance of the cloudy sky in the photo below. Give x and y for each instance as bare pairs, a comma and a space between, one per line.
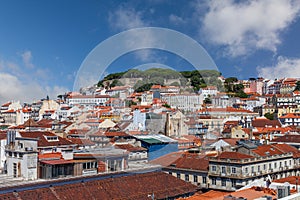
44, 43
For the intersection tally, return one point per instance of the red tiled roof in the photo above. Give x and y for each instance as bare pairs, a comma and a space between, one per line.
267, 150
290, 115
233, 155
138, 187
265, 122
210, 195
225, 110
6, 104
286, 148
291, 179
288, 138
57, 162
167, 160
250, 193
50, 156
42, 141
82, 141
115, 134
191, 161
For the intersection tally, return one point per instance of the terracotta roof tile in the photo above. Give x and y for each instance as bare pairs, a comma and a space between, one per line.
233, 155
191, 161
42, 141
265, 122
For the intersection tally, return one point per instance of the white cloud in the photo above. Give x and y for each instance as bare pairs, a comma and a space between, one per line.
27, 59
176, 19
246, 26
24, 91
125, 18
25, 84
284, 68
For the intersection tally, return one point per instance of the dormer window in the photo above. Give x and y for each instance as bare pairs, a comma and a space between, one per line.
51, 138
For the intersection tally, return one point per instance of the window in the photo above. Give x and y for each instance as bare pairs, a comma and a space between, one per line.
213, 168
213, 181
195, 179
223, 182
252, 169
290, 162
15, 169
265, 166
178, 175
187, 177
270, 165
233, 182
204, 179
223, 170
258, 168
275, 165
233, 170
246, 170
285, 163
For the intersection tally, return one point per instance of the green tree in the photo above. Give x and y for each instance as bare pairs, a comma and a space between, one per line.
175, 84
269, 116
144, 87
166, 105
207, 100
116, 83
241, 94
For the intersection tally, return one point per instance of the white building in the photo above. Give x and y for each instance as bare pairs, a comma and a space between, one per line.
208, 91
185, 102
64, 111
2, 152
22, 156
88, 100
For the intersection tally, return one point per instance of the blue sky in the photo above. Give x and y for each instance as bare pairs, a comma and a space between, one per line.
43, 43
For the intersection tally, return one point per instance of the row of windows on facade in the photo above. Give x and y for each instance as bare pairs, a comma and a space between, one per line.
204, 180
14, 154
264, 167
87, 100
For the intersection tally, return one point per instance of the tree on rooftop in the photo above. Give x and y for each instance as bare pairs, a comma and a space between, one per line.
269, 116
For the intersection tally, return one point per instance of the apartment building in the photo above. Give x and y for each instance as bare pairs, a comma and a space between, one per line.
185, 102
87, 100
290, 119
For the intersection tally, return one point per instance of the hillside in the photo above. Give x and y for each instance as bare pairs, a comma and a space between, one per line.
143, 80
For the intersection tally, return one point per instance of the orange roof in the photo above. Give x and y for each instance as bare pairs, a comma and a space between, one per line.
290, 115
267, 150
228, 109
250, 193
6, 104
50, 156
233, 155
210, 195
81, 141
57, 162
291, 179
